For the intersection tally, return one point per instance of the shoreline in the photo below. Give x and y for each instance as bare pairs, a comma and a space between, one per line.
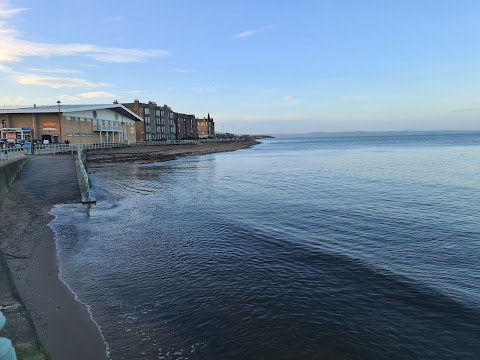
75, 295
160, 153
62, 323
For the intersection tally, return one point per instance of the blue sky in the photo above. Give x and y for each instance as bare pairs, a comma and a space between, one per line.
256, 66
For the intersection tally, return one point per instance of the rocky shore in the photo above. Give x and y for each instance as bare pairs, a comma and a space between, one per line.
159, 153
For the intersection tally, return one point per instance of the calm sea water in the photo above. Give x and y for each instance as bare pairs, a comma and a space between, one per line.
315, 248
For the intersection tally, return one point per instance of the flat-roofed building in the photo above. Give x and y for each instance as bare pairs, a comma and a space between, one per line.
99, 123
158, 121
186, 126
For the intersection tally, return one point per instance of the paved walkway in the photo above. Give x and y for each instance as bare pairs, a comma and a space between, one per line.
63, 325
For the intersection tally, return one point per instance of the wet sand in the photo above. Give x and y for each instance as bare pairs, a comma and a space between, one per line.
63, 324
159, 153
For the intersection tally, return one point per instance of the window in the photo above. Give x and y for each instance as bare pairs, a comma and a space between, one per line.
147, 111
76, 134
83, 134
69, 134
90, 134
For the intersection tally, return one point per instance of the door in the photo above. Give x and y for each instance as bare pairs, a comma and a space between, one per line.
47, 138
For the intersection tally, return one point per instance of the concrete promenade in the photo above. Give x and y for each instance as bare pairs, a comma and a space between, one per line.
38, 301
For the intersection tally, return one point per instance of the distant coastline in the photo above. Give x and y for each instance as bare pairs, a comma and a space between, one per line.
379, 133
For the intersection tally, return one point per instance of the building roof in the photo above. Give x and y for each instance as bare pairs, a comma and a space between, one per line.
119, 108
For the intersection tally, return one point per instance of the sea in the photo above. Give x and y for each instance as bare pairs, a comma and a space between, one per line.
334, 247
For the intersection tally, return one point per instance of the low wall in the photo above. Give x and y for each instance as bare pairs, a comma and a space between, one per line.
8, 173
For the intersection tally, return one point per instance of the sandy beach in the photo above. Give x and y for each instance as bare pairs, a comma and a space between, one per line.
149, 154
63, 325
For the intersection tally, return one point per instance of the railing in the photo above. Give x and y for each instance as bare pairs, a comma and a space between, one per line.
84, 173
109, 128
10, 154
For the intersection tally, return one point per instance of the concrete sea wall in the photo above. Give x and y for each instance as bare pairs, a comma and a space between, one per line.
8, 173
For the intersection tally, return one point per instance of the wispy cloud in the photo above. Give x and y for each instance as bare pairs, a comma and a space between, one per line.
252, 32
246, 34
5, 69
7, 12
69, 98
467, 110
258, 117
96, 95
117, 18
288, 98
204, 89
184, 71
12, 100
52, 81
14, 47
52, 71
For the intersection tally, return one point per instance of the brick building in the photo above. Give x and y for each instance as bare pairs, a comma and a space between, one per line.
158, 121
206, 127
186, 126
76, 123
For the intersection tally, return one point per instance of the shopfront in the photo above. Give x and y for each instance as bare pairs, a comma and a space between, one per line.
24, 133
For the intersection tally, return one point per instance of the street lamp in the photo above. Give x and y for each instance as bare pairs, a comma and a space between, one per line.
59, 122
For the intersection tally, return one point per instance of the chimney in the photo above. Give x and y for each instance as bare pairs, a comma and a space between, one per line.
115, 101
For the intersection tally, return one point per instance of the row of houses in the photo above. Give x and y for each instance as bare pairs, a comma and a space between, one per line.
102, 123
161, 123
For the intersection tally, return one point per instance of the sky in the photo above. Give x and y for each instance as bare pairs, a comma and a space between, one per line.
258, 67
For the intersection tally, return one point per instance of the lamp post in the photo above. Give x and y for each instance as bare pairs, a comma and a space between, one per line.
59, 122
